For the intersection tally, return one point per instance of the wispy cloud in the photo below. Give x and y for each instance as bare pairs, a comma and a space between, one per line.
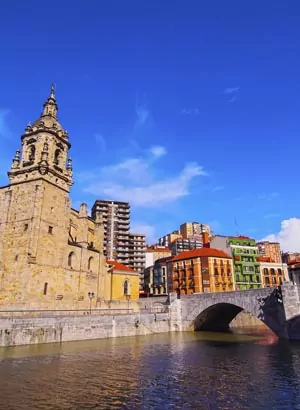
233, 99
218, 188
271, 215
100, 140
190, 111
231, 90
142, 115
5, 131
268, 196
141, 177
138, 181
158, 151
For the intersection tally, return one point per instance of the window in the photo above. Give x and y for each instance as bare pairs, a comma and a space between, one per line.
31, 153
45, 288
25, 227
90, 263
71, 258
16, 258
279, 271
50, 229
57, 157
126, 287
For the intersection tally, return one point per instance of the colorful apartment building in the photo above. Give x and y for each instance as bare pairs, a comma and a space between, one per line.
244, 252
270, 250
202, 270
273, 274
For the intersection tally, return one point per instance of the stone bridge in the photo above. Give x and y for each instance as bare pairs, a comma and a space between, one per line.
278, 308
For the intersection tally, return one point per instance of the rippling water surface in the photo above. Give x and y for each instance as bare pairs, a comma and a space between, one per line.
168, 371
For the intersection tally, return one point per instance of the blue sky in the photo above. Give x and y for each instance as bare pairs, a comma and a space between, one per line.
187, 109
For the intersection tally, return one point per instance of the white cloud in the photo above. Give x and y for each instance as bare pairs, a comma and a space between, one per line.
138, 181
289, 235
158, 151
146, 229
231, 90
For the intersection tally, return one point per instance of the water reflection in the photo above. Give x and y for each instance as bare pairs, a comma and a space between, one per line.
178, 371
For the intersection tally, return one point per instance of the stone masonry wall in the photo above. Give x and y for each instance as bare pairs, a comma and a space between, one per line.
17, 331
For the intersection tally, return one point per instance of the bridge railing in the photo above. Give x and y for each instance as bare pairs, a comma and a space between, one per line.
9, 314
63, 312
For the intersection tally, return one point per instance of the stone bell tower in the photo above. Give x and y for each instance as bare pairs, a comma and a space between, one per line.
35, 211
45, 147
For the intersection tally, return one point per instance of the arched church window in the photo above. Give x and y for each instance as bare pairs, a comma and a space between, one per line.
126, 287
90, 263
31, 153
71, 259
57, 157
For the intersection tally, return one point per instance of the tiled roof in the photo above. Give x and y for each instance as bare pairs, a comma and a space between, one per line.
264, 259
120, 266
158, 250
293, 261
195, 253
240, 237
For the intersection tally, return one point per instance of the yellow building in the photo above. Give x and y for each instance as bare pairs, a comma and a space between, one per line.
51, 256
124, 282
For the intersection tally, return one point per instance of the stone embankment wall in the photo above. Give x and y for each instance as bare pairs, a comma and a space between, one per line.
24, 331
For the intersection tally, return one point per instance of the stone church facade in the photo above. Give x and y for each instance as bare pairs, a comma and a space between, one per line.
51, 256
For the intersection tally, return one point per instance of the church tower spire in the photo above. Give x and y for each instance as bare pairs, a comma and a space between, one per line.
45, 150
50, 105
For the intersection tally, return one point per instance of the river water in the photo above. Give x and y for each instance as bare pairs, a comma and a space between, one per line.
166, 371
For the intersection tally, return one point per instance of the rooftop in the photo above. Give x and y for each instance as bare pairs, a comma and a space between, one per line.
119, 266
196, 253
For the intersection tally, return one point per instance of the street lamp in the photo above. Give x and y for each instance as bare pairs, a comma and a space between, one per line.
128, 300
91, 296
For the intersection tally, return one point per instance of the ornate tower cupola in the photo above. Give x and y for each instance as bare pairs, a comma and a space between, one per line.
45, 148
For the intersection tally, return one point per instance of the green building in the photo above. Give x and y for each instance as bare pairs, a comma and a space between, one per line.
244, 252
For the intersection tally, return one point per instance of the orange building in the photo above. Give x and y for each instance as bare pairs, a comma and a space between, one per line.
270, 250
200, 270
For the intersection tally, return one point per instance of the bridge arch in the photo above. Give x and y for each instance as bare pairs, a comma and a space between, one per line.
216, 318
214, 312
